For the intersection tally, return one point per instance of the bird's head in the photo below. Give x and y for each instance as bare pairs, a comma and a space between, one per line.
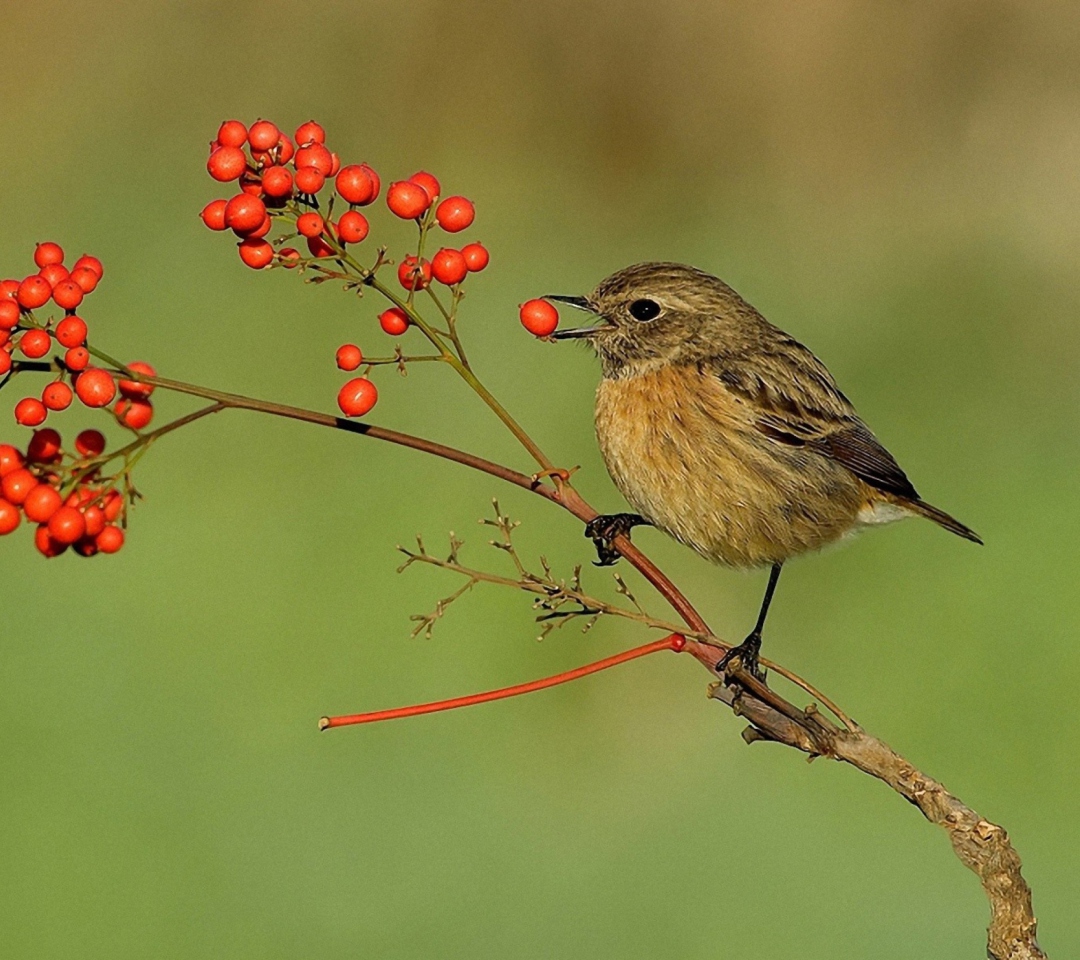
651, 314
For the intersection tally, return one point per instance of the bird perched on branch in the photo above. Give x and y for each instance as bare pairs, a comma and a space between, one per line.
728, 434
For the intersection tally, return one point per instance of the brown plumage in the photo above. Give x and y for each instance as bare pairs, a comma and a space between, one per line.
725, 432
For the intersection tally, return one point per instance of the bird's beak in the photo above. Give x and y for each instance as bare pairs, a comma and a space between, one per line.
573, 333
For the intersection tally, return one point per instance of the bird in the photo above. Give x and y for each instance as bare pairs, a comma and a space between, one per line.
727, 433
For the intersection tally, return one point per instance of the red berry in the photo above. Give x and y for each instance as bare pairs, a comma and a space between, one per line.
314, 155
35, 344
77, 359
134, 389
263, 135
57, 396
10, 459
8, 289
448, 266
48, 252
92, 263
71, 331
54, 273
414, 274
310, 224
67, 525
90, 443
5, 361
407, 200
44, 446
318, 247
85, 547
277, 181
9, 314
476, 256
85, 278
41, 503
213, 215
95, 520
352, 227
113, 505
95, 387
251, 185
17, 485
67, 294
232, 133
349, 357
428, 182
310, 132
244, 214
455, 213
9, 518
539, 317
110, 539
135, 414
289, 257
30, 412
309, 179
263, 230
357, 397
355, 184
46, 545
376, 183
255, 253
34, 291
394, 321
226, 163
285, 149
335, 165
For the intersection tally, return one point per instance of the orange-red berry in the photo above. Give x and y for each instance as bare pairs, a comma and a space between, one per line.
16, 485
256, 253
310, 132
455, 213
35, 344
428, 182
314, 155
355, 185
285, 149
335, 165
85, 278
5, 361
95, 520
57, 396
135, 389
414, 274
448, 266
30, 412
357, 397
95, 387
263, 135
9, 314
10, 459
9, 289
71, 331
44, 446
54, 273
318, 247
41, 503
46, 545
90, 443
539, 317
277, 181
476, 256
67, 294
232, 133
91, 263
289, 257
9, 518
213, 215
34, 292
67, 525
394, 321
309, 179
48, 252
226, 163
352, 227
349, 357
77, 359
135, 414
310, 224
244, 214
110, 539
407, 200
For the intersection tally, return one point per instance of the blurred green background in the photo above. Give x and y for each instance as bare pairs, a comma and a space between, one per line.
895, 184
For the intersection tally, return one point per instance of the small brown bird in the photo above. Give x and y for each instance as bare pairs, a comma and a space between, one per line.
728, 434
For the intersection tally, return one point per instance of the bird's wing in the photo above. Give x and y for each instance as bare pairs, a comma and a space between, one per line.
793, 400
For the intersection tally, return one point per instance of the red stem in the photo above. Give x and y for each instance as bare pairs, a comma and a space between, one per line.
672, 642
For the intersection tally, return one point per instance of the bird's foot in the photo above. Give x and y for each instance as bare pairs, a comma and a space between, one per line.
604, 529
747, 655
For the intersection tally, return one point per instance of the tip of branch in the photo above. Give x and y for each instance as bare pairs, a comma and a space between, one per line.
324, 723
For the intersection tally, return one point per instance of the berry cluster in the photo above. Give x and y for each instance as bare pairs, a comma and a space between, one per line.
63, 494
22, 329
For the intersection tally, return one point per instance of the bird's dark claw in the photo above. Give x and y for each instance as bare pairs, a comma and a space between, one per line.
604, 529
747, 654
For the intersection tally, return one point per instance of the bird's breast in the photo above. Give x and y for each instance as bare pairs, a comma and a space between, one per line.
687, 455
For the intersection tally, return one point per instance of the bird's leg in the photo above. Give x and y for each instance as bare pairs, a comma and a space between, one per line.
604, 529
748, 650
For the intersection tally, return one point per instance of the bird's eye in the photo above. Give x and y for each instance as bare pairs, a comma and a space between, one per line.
644, 310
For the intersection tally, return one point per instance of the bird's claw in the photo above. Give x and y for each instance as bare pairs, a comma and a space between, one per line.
747, 655
604, 529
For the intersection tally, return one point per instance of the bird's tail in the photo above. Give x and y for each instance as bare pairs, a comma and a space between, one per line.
942, 519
